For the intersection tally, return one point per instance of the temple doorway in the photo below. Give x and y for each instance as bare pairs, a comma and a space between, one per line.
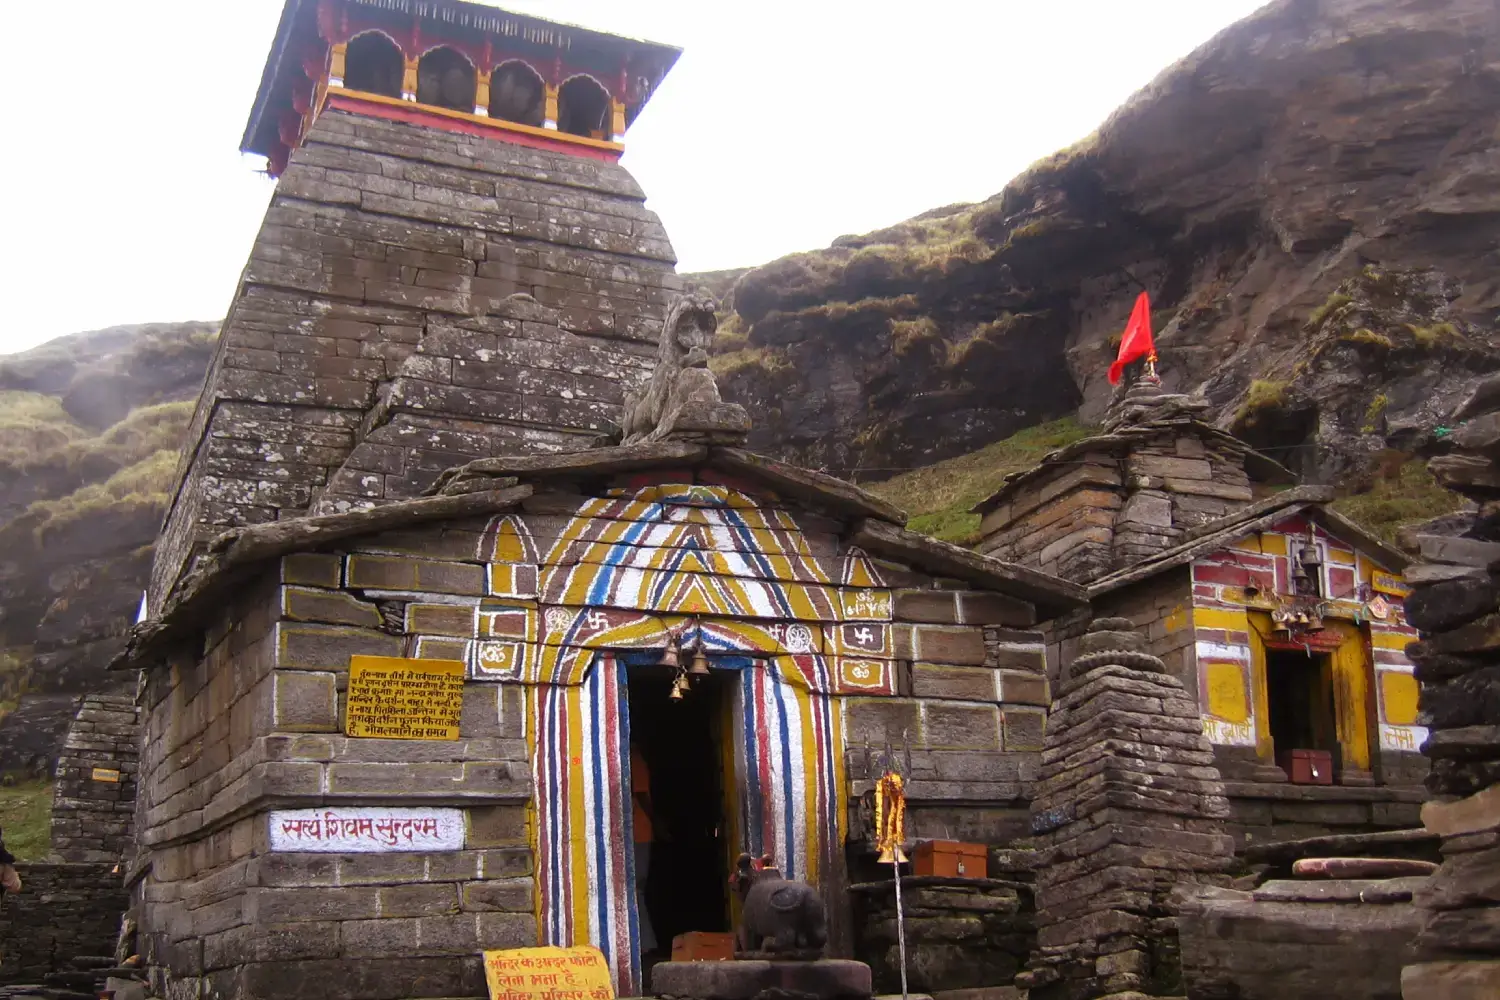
1299, 696
682, 743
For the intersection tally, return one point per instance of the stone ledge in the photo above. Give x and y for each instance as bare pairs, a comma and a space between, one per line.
1324, 793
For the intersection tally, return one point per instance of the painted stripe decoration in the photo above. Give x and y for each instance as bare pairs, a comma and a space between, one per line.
585, 880
791, 759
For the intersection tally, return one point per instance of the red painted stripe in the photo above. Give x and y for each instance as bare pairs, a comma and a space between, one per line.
768, 812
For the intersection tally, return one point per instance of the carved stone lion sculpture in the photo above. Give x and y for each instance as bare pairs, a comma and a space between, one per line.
778, 917
682, 396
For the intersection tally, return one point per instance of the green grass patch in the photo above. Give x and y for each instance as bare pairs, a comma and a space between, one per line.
1394, 501
939, 496
1263, 396
34, 429
1332, 304
26, 818
748, 357
1431, 336
144, 484
1364, 335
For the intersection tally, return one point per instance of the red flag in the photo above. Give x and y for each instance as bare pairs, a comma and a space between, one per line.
1136, 343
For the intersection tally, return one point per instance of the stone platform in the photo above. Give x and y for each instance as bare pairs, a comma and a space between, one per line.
826, 979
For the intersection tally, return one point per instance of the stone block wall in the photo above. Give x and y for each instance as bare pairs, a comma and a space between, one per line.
961, 933
93, 798
250, 719
63, 911
1111, 501
417, 298
968, 716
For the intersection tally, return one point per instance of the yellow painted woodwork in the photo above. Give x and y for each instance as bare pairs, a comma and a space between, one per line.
482, 92
1250, 543
1264, 748
1227, 697
1273, 544
549, 103
1351, 698
1340, 557
1391, 640
498, 124
409, 79
617, 118
1398, 698
1224, 618
336, 60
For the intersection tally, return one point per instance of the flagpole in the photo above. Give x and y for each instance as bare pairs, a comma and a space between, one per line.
900, 922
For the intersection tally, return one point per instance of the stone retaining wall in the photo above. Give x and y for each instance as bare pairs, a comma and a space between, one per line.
62, 911
961, 933
93, 801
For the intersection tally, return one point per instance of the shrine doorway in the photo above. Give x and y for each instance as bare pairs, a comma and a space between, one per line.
683, 745
1300, 700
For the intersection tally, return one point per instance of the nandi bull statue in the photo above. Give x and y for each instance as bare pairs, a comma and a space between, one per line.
778, 918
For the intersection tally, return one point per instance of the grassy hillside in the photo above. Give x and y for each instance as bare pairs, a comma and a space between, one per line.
26, 820
939, 496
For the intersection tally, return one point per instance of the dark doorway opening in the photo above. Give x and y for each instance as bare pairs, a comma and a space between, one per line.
681, 744
1299, 695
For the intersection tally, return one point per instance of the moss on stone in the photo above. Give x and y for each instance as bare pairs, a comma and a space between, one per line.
1393, 501
1431, 336
1263, 396
1364, 335
1373, 411
1332, 304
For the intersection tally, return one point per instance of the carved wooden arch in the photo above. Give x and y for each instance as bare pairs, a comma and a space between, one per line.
563, 122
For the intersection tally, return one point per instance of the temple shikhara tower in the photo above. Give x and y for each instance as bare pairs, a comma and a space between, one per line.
454, 265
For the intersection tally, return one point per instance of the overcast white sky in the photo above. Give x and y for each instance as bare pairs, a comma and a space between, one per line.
784, 125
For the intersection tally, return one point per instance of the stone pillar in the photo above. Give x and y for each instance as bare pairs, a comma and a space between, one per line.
549, 106
1128, 807
1455, 604
93, 800
482, 93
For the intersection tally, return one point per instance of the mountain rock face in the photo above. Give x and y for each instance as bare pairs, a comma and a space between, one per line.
1319, 172
90, 428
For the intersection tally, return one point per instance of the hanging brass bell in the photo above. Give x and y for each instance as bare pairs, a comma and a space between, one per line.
676, 694
669, 655
700, 665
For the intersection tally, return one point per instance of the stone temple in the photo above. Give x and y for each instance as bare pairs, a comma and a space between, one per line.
473, 626
460, 436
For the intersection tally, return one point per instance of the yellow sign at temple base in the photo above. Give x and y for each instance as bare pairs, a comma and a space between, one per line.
1388, 583
400, 699
578, 973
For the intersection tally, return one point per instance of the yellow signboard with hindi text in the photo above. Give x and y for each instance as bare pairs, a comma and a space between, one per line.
578, 973
394, 698
1388, 583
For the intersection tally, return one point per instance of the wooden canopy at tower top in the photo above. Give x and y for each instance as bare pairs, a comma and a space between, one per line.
305, 65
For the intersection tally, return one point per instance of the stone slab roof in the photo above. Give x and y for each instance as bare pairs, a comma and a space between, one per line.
1256, 517
1260, 468
493, 485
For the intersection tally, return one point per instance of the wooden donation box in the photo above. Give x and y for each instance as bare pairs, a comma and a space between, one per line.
703, 946
1308, 767
950, 859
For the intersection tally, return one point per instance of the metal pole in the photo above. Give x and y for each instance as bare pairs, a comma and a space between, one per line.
900, 922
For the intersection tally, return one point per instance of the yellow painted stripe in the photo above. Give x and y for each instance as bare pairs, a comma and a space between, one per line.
1220, 618
1391, 640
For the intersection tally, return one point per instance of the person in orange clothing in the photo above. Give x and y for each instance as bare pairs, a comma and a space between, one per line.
645, 833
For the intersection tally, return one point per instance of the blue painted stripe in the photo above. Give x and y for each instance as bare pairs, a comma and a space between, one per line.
752, 805
790, 803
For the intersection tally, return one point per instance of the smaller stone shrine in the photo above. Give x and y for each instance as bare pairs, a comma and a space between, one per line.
1129, 810
1281, 618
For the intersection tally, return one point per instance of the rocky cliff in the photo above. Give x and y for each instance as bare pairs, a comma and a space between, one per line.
90, 427
1311, 199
